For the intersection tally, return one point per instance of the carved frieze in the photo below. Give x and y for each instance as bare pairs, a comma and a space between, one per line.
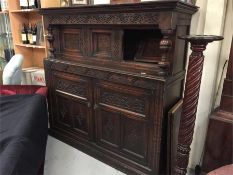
116, 18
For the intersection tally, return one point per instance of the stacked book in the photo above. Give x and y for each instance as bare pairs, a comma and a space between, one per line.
33, 76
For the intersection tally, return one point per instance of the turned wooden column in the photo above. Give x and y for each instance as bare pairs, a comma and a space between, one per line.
190, 101
50, 39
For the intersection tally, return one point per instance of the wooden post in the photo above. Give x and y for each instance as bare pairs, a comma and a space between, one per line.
190, 101
50, 39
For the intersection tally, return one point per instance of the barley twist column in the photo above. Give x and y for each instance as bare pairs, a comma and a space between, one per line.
190, 101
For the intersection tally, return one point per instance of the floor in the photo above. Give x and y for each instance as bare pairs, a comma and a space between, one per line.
62, 159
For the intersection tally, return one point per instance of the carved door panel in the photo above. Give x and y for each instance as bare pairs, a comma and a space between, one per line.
73, 103
72, 42
106, 43
122, 120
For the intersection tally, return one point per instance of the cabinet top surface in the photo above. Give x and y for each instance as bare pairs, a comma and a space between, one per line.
157, 5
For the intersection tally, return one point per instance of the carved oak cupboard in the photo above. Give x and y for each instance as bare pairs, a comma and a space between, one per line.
113, 73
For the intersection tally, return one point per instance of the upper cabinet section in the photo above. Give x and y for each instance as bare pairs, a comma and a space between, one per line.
142, 35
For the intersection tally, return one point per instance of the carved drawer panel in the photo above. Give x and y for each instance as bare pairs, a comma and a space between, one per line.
129, 99
72, 85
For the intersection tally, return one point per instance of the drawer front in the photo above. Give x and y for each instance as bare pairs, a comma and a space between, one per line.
127, 99
73, 87
122, 120
72, 104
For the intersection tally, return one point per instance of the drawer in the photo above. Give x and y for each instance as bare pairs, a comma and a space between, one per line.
72, 85
124, 98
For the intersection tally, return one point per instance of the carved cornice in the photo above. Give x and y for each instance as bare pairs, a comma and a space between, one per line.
144, 13
171, 5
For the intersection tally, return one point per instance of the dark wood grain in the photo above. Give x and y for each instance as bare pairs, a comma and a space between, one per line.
107, 97
219, 142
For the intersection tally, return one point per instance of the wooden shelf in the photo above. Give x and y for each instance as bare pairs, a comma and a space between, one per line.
30, 46
33, 54
25, 11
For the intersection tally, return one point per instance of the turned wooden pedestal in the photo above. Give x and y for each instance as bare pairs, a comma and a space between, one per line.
191, 94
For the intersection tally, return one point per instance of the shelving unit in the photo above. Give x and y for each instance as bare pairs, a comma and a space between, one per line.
6, 45
33, 54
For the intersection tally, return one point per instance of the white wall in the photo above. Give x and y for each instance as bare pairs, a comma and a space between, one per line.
225, 50
209, 21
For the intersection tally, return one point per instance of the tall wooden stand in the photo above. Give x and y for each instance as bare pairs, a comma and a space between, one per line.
191, 94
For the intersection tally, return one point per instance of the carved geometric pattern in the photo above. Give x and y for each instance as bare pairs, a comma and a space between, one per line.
81, 42
79, 114
101, 44
117, 44
71, 41
110, 127
124, 101
104, 42
116, 18
63, 117
71, 87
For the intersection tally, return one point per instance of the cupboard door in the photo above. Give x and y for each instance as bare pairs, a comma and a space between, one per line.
72, 42
106, 43
72, 96
122, 120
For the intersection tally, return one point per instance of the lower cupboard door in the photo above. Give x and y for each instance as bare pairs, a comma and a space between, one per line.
73, 115
125, 135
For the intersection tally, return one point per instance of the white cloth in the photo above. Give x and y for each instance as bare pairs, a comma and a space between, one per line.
13, 71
